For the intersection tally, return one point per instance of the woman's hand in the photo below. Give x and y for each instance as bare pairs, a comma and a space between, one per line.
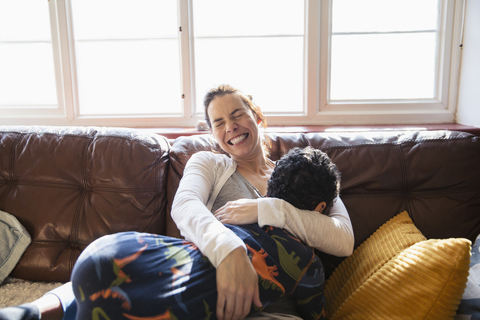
243, 211
237, 286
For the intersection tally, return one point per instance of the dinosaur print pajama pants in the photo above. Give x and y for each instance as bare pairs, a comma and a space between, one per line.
138, 276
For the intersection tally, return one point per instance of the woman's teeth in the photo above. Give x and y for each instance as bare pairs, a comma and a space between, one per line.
238, 139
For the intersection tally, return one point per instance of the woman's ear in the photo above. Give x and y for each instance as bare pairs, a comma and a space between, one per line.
321, 206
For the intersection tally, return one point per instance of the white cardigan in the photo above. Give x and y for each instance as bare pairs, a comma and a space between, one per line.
203, 178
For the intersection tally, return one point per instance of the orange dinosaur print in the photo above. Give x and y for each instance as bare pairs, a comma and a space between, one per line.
320, 315
266, 272
122, 262
106, 293
118, 264
267, 228
293, 238
177, 274
165, 316
122, 275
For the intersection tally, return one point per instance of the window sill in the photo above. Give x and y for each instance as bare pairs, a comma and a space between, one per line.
173, 133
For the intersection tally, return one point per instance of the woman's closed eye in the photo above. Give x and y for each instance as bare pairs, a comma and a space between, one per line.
238, 116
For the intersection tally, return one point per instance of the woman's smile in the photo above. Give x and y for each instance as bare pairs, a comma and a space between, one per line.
238, 139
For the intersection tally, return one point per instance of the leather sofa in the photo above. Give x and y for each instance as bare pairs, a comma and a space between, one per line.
70, 185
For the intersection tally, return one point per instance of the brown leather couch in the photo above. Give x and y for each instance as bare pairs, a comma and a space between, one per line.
71, 185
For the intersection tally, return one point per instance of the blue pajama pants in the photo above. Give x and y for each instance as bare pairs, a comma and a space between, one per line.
134, 276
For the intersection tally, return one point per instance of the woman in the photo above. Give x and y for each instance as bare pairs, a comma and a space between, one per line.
234, 121
232, 187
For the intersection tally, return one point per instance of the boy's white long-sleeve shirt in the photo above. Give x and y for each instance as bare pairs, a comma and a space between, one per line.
203, 178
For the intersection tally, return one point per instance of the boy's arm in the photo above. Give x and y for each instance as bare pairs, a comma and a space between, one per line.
332, 234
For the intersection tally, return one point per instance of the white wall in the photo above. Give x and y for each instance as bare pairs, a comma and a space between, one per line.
468, 108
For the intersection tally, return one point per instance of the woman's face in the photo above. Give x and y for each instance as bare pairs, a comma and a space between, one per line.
234, 127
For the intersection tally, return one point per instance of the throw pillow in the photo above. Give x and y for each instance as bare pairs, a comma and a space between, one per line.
397, 273
394, 236
14, 240
469, 307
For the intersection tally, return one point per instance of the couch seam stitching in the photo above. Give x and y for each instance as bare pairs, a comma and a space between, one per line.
405, 184
76, 218
11, 171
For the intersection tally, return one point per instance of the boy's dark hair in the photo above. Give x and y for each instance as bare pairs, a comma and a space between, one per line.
304, 178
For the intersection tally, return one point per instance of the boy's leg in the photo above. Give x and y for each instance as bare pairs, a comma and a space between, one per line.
134, 275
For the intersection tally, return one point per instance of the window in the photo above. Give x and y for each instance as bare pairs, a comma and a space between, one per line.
127, 57
376, 47
149, 62
398, 63
256, 46
27, 74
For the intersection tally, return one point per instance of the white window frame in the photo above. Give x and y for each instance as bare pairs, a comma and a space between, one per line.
317, 109
440, 109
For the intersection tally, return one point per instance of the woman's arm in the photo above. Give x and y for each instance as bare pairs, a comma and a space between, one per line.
195, 222
332, 234
237, 281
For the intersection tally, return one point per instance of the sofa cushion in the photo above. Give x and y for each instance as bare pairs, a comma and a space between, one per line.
396, 273
71, 185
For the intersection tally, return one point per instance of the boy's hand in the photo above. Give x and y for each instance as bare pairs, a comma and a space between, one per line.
237, 286
243, 211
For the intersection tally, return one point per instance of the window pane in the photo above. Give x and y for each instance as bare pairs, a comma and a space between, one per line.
248, 17
24, 20
272, 72
113, 19
385, 66
384, 15
121, 77
256, 46
127, 56
27, 74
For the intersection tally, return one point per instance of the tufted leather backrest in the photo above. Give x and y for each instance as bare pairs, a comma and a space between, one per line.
434, 175
69, 186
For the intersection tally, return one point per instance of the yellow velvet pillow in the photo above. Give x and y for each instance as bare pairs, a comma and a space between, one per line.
397, 273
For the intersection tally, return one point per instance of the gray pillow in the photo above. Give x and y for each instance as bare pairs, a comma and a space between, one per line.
14, 240
469, 308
